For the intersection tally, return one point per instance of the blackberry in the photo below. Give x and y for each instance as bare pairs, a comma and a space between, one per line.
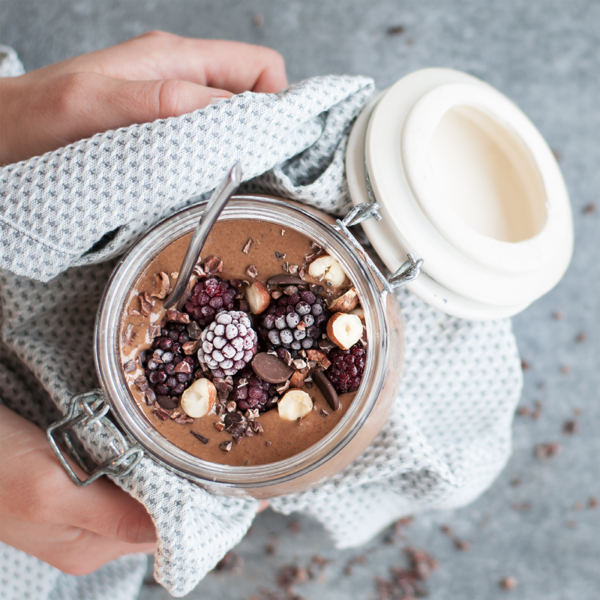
228, 344
168, 369
209, 297
254, 392
347, 368
294, 322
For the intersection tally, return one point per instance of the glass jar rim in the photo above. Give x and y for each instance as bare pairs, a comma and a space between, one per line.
136, 424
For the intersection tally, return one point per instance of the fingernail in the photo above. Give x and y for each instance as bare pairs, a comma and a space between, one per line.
217, 99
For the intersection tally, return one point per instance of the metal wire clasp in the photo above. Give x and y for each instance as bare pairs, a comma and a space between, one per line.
408, 271
87, 409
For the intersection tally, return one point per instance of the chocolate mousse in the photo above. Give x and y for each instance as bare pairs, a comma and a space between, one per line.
264, 358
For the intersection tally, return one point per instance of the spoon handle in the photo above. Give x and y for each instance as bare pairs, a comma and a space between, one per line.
216, 204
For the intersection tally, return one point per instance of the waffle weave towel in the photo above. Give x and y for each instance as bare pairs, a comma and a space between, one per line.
67, 215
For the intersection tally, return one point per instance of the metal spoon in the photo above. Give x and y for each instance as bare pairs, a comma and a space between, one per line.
216, 204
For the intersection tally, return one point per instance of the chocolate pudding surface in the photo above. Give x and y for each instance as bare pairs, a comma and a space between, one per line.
271, 250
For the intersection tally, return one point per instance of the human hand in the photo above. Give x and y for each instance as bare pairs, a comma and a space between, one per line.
154, 76
42, 512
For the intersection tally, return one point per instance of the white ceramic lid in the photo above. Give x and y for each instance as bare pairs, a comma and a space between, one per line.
466, 182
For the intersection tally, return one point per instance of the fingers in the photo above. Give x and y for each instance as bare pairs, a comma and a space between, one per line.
156, 75
75, 106
232, 66
35, 489
74, 551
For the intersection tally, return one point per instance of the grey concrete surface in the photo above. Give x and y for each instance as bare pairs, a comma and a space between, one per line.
545, 55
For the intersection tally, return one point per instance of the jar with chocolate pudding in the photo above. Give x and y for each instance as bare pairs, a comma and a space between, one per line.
281, 361
280, 365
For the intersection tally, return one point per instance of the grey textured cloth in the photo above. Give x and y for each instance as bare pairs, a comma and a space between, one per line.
67, 215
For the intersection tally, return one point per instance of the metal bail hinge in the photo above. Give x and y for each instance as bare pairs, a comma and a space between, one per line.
362, 212
408, 271
85, 410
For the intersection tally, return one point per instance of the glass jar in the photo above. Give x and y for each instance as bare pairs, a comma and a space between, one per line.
365, 416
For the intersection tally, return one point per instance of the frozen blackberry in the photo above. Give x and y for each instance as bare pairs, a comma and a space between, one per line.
250, 391
228, 344
168, 369
209, 297
347, 368
294, 322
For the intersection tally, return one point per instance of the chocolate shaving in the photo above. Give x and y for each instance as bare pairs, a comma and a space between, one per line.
183, 367
212, 265
200, 437
293, 269
129, 335
257, 427
183, 420
252, 271
191, 347
300, 364
161, 413
326, 344
146, 304
154, 331
129, 366
252, 414
286, 267
246, 247
325, 413
319, 357
276, 295
177, 317
226, 446
219, 426
194, 330
150, 397
297, 379
283, 387
199, 272
287, 357
302, 272
141, 383
290, 289
223, 384
235, 423
162, 285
